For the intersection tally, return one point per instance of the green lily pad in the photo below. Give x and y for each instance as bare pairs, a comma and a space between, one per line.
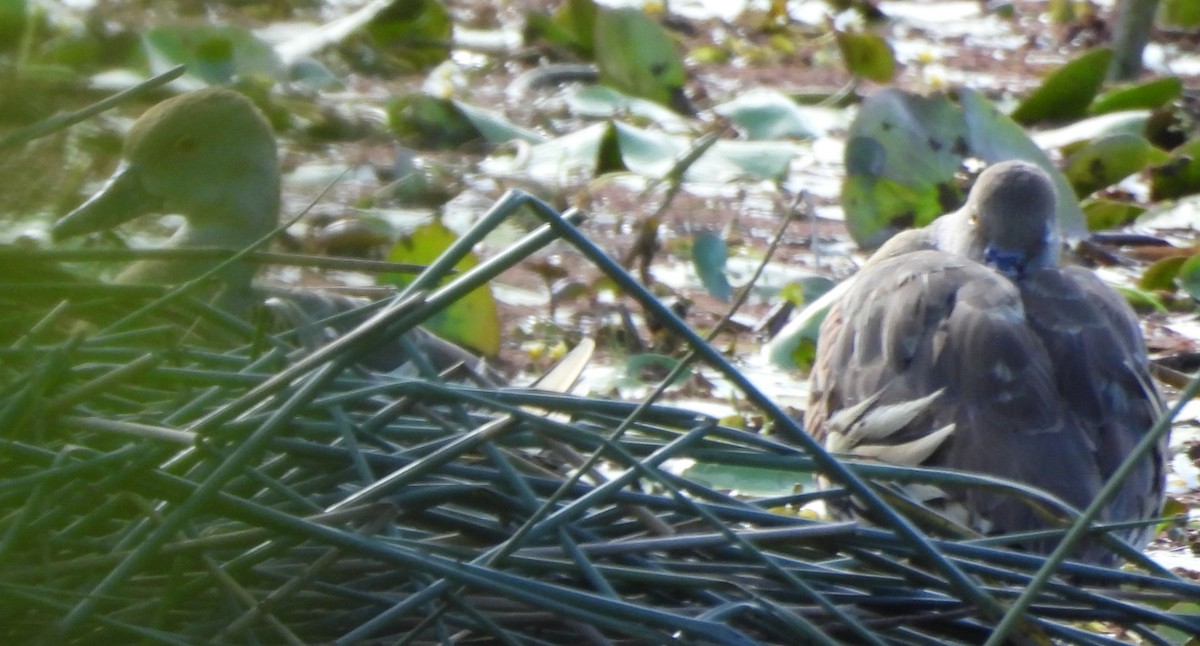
995, 138
1161, 274
1106, 161
901, 156
805, 290
1067, 92
604, 102
923, 139
867, 55
647, 152
214, 55
876, 208
618, 147
758, 160
655, 154
637, 56
471, 321
430, 122
709, 255
580, 155
414, 33
796, 345
768, 114
495, 128
1173, 509
307, 41
1189, 277
1182, 14
435, 122
1150, 95
573, 26
1109, 214
14, 14
1179, 175
1141, 299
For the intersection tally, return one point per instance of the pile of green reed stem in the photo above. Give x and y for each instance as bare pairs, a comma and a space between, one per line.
179, 476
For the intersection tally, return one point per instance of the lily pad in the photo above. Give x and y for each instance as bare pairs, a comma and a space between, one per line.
214, 55
901, 157
1141, 299
768, 114
647, 152
637, 56
877, 208
1067, 92
573, 26
495, 128
1106, 161
473, 320
14, 15
311, 39
414, 33
796, 344
709, 255
1189, 277
655, 154
1182, 14
730, 160
1150, 95
580, 155
1109, 214
867, 55
1161, 274
1179, 175
446, 123
616, 147
603, 102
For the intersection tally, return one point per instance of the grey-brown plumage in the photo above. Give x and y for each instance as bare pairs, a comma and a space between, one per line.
964, 345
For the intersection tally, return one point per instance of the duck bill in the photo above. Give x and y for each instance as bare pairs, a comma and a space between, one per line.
1009, 263
121, 199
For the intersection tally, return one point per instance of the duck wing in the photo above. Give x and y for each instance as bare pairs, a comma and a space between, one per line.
1096, 347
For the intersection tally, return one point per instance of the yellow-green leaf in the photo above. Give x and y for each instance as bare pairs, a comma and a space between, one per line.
1181, 14
1106, 161
1066, 93
867, 55
637, 56
1150, 95
573, 26
473, 320
1189, 276
1109, 214
1161, 274
1179, 175
414, 33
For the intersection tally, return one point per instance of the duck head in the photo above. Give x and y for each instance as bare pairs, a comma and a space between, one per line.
207, 155
1009, 220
